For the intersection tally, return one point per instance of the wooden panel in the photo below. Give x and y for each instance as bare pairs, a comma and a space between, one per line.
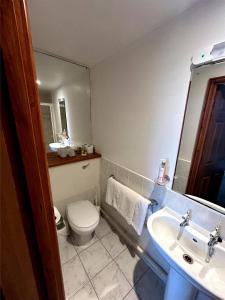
54, 160
16, 258
23, 96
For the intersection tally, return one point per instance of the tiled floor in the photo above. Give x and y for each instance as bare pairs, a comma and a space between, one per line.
105, 269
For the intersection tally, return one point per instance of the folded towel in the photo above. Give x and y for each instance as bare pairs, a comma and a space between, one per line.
132, 206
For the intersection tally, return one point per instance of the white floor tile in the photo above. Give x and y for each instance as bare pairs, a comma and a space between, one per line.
86, 293
74, 276
150, 284
110, 283
94, 259
66, 249
103, 228
79, 249
132, 267
113, 244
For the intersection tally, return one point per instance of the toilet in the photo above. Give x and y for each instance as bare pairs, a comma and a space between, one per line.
83, 218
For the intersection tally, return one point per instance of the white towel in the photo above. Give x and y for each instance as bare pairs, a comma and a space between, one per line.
132, 206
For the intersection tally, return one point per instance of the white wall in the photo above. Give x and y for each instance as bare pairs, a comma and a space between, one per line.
139, 94
77, 101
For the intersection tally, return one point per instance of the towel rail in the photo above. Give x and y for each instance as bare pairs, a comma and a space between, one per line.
152, 203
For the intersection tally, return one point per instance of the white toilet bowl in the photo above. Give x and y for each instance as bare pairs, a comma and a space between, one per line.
83, 218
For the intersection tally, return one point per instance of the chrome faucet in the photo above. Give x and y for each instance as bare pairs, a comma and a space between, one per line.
186, 218
184, 223
214, 239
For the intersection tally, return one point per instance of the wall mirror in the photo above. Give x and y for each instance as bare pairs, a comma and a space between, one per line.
200, 169
64, 92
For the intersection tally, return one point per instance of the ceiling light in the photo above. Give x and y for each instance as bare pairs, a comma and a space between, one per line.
38, 82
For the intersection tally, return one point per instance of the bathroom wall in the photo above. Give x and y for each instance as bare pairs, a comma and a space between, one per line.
71, 182
139, 94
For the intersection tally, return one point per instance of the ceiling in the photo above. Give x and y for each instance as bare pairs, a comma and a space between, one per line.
88, 31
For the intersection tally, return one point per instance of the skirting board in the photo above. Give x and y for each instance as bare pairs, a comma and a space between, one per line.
139, 251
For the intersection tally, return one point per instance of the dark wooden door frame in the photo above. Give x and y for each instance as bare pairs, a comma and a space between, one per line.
202, 130
20, 72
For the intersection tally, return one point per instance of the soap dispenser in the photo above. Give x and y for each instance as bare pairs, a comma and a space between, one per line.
163, 177
162, 170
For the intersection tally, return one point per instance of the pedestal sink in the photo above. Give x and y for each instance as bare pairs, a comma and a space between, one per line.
189, 272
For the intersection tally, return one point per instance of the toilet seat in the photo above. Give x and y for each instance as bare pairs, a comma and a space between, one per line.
82, 216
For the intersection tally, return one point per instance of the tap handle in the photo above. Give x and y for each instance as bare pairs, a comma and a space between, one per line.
215, 232
217, 228
187, 215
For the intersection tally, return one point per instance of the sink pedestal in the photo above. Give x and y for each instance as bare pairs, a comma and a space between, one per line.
178, 287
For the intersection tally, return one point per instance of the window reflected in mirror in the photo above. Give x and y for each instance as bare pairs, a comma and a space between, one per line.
200, 169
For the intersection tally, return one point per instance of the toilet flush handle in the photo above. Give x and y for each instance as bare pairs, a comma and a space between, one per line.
85, 166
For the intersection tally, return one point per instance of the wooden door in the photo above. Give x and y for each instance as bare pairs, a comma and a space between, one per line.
19, 279
206, 178
30, 260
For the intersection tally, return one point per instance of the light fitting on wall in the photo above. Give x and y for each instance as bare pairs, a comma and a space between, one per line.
211, 54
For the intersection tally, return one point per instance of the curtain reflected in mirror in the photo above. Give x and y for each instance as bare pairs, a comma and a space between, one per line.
200, 169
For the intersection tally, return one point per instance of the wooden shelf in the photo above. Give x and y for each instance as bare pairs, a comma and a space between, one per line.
54, 160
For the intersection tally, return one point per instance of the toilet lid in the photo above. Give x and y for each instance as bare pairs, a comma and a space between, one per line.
82, 213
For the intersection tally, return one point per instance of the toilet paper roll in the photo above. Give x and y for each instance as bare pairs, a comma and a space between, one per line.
57, 215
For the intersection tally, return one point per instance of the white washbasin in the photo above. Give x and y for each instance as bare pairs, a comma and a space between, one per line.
55, 146
164, 227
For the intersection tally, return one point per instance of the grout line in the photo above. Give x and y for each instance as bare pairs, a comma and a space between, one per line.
88, 276
103, 235
62, 264
127, 293
141, 258
87, 246
113, 260
144, 256
83, 285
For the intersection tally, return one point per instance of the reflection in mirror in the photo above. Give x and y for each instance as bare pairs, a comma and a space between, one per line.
62, 107
200, 169
64, 91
